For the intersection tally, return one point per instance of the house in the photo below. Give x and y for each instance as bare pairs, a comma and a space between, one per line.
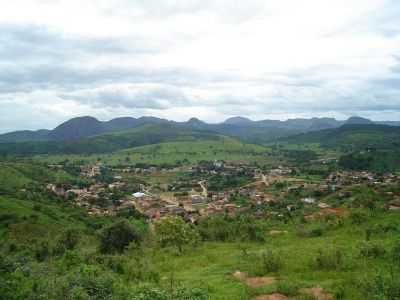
323, 205
197, 200
394, 205
139, 195
308, 200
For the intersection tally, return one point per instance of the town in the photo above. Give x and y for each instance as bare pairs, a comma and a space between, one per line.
217, 187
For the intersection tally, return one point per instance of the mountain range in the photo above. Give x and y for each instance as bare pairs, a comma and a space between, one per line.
240, 127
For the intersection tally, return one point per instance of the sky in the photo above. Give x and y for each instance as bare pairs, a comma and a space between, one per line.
210, 59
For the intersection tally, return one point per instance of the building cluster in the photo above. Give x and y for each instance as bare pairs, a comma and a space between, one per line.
190, 198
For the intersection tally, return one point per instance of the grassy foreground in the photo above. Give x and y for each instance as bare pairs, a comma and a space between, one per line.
341, 257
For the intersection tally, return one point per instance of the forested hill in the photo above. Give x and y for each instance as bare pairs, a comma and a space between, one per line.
239, 127
352, 137
105, 143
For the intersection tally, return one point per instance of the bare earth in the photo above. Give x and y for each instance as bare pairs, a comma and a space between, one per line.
253, 281
317, 293
274, 296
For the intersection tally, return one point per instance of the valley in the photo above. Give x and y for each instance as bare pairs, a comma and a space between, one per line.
173, 213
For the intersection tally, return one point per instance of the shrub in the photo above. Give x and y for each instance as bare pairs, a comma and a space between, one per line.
181, 293
67, 241
358, 217
316, 231
329, 259
70, 238
117, 236
372, 250
395, 253
271, 262
42, 251
215, 228
381, 286
8, 218
288, 288
173, 231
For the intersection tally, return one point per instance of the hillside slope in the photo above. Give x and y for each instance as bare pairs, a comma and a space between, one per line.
352, 137
109, 142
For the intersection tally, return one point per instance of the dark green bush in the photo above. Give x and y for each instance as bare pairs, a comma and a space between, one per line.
117, 236
372, 250
271, 262
329, 260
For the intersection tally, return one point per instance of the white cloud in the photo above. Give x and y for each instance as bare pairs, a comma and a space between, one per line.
210, 59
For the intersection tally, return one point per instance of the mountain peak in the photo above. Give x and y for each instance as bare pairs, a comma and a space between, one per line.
77, 128
194, 120
358, 120
238, 121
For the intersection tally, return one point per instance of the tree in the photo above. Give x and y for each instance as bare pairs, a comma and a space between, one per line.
173, 231
117, 236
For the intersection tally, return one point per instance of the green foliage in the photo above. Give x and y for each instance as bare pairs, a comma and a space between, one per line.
358, 217
372, 250
117, 236
221, 182
225, 228
381, 286
109, 142
173, 153
313, 231
271, 262
151, 293
329, 259
173, 231
395, 253
288, 288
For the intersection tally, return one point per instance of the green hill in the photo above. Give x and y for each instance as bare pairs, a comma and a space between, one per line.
351, 137
15, 176
106, 143
190, 150
362, 147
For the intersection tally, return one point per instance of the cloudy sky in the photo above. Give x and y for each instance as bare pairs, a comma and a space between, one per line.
210, 59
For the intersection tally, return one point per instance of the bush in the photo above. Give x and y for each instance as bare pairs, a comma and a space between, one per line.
215, 228
42, 251
8, 218
182, 293
67, 241
288, 288
372, 250
316, 231
358, 217
117, 236
395, 253
271, 262
329, 259
381, 286
173, 231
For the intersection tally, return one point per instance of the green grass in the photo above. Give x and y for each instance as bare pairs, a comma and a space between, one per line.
213, 263
17, 175
169, 153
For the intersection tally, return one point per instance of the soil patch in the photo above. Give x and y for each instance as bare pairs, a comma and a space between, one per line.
277, 232
317, 293
253, 281
274, 296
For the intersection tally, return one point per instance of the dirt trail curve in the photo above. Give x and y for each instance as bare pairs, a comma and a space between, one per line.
204, 193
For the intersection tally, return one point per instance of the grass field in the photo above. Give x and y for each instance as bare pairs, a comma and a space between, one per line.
170, 153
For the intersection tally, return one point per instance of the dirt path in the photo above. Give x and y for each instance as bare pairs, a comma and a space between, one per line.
274, 296
254, 281
204, 193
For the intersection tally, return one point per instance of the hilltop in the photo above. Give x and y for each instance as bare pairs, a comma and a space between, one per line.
240, 127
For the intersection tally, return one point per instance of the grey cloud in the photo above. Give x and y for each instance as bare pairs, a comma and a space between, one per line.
25, 42
157, 97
